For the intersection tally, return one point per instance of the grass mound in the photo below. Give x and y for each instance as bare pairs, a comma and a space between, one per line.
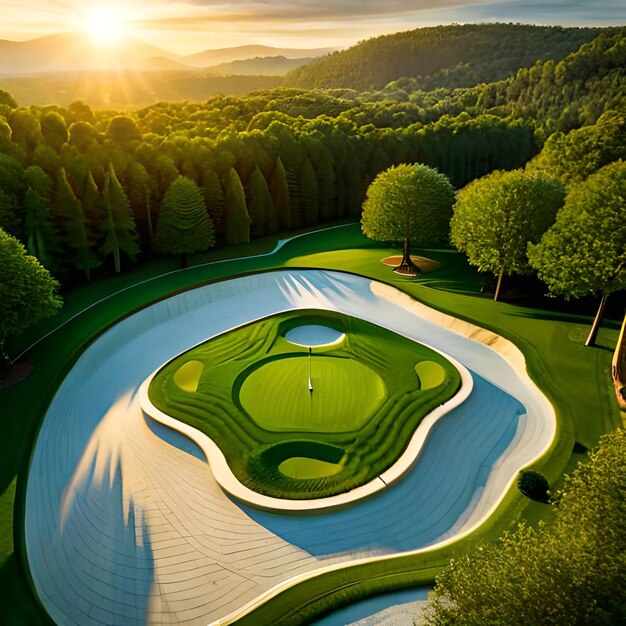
430, 374
248, 390
187, 376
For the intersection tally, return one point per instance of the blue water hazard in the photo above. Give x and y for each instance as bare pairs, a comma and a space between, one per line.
312, 335
458, 454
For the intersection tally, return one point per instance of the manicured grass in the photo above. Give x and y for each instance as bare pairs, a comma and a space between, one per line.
187, 376
575, 378
344, 395
430, 374
304, 468
365, 399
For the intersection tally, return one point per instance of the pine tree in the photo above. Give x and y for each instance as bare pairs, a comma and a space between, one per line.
70, 220
237, 218
121, 234
309, 194
214, 199
184, 225
262, 210
280, 195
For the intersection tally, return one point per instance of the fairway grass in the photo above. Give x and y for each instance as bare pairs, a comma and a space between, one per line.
344, 395
255, 393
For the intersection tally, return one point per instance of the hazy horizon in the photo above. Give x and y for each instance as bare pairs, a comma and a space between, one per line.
189, 26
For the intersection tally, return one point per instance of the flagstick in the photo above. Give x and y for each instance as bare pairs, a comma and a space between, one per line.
310, 381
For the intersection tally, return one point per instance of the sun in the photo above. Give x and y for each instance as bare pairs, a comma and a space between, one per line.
106, 25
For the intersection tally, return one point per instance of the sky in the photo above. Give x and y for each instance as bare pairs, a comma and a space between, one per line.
187, 26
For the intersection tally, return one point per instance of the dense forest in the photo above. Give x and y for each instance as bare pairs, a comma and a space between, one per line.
442, 56
84, 189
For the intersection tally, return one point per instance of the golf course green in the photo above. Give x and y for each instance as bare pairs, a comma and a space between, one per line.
306, 421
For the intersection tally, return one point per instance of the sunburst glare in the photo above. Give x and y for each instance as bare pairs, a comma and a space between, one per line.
106, 24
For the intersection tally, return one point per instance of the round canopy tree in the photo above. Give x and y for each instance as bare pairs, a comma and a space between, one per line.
184, 225
27, 291
584, 253
498, 215
410, 203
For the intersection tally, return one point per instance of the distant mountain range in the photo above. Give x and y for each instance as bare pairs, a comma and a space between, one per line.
73, 52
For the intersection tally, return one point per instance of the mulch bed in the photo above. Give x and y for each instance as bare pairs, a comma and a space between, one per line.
424, 264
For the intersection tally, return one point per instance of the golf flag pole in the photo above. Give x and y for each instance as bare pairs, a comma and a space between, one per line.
310, 381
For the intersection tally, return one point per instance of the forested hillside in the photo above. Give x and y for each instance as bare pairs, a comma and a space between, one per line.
84, 189
442, 56
551, 96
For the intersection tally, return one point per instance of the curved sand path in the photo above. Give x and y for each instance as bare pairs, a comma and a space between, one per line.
124, 527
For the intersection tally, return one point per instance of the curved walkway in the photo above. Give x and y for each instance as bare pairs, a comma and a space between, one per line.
122, 527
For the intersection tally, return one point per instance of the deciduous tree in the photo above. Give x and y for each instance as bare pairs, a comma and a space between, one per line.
584, 253
497, 216
410, 203
27, 291
570, 571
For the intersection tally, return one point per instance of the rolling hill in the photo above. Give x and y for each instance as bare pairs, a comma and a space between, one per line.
74, 52
442, 56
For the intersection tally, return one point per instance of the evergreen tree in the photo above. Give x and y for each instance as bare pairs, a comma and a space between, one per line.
280, 195
72, 226
41, 235
309, 193
237, 218
141, 192
184, 226
262, 211
326, 185
96, 213
120, 232
214, 199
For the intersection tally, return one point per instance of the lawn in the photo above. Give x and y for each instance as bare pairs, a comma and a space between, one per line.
248, 390
575, 378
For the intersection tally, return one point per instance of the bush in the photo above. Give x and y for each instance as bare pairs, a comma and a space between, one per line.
534, 486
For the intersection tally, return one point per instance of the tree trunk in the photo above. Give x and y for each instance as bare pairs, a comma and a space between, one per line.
593, 333
495, 295
618, 367
407, 267
183, 260
117, 260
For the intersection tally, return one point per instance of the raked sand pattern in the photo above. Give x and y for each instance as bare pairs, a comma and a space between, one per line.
125, 523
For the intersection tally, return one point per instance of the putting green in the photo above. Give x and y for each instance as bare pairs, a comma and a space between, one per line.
248, 390
430, 374
187, 376
304, 468
346, 393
